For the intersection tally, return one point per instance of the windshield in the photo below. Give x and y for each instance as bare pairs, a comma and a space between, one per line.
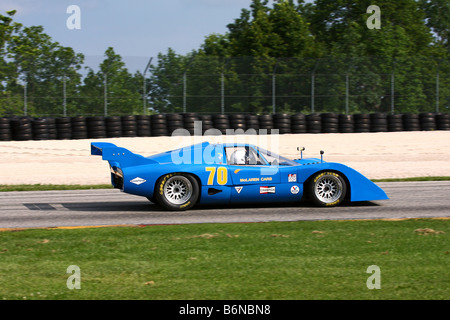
275, 159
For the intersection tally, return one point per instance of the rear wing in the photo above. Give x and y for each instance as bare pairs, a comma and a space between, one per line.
122, 156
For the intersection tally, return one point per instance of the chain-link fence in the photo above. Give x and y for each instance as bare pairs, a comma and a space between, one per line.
342, 85
257, 85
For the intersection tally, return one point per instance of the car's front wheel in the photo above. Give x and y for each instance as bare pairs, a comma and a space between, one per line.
177, 191
327, 189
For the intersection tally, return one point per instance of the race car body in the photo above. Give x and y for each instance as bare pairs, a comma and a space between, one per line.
232, 173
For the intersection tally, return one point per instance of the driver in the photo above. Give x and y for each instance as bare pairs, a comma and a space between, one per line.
239, 157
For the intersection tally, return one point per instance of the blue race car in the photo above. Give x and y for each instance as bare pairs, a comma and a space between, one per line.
232, 173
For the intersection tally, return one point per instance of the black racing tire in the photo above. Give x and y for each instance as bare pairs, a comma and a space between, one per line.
327, 189
176, 191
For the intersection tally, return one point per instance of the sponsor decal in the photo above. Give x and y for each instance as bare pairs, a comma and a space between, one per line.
292, 177
238, 189
295, 189
265, 190
138, 181
249, 180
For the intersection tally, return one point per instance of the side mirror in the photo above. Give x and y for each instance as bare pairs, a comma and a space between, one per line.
301, 151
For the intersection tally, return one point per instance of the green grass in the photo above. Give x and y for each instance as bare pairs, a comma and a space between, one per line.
273, 260
47, 187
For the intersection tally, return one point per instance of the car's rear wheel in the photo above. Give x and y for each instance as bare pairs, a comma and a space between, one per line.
177, 191
327, 189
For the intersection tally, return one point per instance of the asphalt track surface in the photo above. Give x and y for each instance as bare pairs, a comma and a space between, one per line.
48, 209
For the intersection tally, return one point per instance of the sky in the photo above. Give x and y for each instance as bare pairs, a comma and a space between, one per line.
136, 29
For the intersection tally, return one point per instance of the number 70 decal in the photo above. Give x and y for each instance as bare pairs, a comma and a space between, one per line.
222, 175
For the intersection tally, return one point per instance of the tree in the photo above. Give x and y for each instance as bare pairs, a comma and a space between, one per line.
10, 103
45, 67
112, 90
437, 18
401, 48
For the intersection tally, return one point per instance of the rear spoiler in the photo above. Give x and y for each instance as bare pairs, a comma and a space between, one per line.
124, 157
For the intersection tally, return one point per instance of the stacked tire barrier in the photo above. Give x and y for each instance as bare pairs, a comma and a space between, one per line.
282, 122
443, 121
143, 127
237, 122
189, 120
79, 128
252, 121
158, 124
221, 122
207, 123
98, 127
266, 122
298, 123
5, 129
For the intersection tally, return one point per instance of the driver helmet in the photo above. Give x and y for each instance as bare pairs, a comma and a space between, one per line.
238, 157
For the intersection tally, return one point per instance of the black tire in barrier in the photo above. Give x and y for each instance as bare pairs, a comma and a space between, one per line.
395, 122
207, 123
221, 122
129, 126
329, 122
346, 123
411, 122
427, 121
362, 122
189, 122
282, 122
96, 127
237, 122
52, 131
378, 122
298, 123
252, 122
265, 121
443, 121
314, 123
158, 124
79, 127
143, 126
21, 128
5, 129
40, 129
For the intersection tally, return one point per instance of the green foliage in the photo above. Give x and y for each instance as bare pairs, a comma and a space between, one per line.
280, 48
326, 44
123, 90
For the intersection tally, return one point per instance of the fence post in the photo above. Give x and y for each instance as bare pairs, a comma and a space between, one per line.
222, 94
184, 91
64, 97
393, 87
392, 92
105, 93
274, 108
144, 94
313, 76
437, 88
274, 91
25, 107
346, 94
